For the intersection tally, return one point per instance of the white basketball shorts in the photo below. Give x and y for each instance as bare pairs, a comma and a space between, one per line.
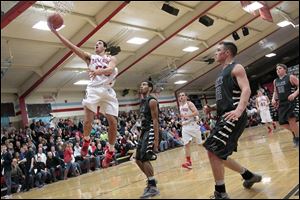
189, 131
102, 96
265, 116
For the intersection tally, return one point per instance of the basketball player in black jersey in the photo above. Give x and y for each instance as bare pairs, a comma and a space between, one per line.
148, 141
232, 95
286, 91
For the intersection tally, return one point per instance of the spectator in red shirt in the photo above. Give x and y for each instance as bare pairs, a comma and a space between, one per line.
68, 152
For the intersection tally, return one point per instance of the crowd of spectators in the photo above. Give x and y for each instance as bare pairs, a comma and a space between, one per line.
46, 152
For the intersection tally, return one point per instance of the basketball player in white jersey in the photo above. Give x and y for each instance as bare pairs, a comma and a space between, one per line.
190, 128
102, 72
262, 104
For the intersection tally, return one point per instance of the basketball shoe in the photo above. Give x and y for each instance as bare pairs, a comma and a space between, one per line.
108, 158
255, 179
150, 191
187, 165
218, 195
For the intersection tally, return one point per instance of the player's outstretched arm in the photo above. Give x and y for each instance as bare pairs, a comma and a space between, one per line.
79, 52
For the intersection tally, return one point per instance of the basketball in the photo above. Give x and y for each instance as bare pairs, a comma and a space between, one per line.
55, 20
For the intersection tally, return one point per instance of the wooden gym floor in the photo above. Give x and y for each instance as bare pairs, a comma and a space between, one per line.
273, 156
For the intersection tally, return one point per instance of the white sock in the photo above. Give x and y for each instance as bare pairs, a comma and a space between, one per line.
220, 182
243, 171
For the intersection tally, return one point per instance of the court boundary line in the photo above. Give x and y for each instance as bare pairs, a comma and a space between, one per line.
292, 192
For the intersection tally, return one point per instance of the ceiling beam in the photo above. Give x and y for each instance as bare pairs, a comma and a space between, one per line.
60, 45
169, 32
212, 15
252, 42
160, 34
35, 69
110, 10
9, 90
215, 39
14, 12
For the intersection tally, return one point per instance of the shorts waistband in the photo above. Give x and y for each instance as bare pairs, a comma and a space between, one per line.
99, 86
190, 124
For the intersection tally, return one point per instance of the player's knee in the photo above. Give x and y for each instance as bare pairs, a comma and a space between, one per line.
210, 154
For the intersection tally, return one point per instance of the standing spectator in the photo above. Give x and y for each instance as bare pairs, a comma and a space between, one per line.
29, 164
68, 153
6, 162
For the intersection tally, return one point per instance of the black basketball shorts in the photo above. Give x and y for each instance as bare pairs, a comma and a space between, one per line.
288, 110
144, 150
223, 139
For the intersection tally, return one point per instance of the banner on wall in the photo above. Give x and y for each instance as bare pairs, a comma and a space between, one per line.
48, 99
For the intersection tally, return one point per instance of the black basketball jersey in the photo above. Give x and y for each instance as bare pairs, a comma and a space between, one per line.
284, 88
145, 113
228, 92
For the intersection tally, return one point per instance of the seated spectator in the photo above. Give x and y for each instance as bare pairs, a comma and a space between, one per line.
94, 158
31, 144
176, 139
40, 172
83, 162
17, 176
163, 145
54, 167
42, 155
169, 138
99, 154
50, 143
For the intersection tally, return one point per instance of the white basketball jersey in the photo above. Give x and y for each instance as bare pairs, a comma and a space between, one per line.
263, 103
184, 109
101, 62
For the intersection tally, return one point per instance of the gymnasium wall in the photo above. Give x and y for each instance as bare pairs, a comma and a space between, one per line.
68, 104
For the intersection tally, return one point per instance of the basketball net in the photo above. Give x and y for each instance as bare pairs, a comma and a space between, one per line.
60, 7
63, 7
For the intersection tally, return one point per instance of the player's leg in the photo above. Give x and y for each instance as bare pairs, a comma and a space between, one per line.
110, 107
187, 138
87, 127
112, 133
294, 127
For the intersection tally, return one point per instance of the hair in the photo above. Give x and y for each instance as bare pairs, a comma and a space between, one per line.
282, 65
104, 43
231, 47
150, 84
